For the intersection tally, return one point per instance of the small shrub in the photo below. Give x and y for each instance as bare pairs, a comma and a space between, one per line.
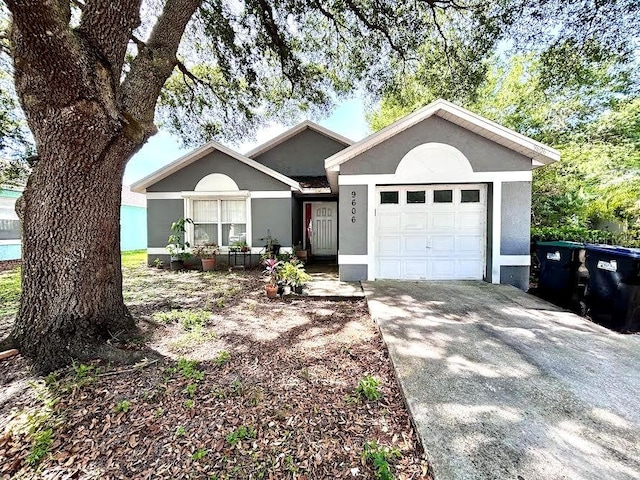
180, 431
190, 389
189, 404
368, 388
188, 369
239, 434
81, 371
187, 318
199, 454
380, 457
123, 406
222, 357
42, 442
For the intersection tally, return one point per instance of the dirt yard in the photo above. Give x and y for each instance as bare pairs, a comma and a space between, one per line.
248, 388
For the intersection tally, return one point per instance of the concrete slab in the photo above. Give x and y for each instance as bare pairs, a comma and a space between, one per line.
325, 284
502, 385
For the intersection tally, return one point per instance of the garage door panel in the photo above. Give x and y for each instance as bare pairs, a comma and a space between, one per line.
388, 221
470, 269
389, 245
415, 246
469, 220
442, 244
443, 220
442, 269
413, 221
469, 243
389, 268
416, 270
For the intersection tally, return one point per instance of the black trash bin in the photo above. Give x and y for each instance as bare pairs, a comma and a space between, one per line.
613, 291
562, 274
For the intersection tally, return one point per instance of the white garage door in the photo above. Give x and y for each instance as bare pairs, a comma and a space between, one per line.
433, 232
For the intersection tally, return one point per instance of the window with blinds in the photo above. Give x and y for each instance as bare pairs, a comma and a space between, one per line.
223, 222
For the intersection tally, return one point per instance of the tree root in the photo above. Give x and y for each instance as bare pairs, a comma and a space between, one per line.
110, 354
8, 343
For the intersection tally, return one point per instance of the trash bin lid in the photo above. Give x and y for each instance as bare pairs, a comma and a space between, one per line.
563, 244
613, 250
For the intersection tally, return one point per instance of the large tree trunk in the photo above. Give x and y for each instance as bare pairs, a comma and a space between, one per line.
88, 118
71, 278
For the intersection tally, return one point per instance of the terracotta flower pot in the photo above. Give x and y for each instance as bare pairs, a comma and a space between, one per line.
208, 264
272, 291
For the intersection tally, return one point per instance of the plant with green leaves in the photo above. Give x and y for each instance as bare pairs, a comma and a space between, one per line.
199, 454
222, 357
368, 387
177, 246
380, 458
42, 442
241, 433
122, 406
293, 273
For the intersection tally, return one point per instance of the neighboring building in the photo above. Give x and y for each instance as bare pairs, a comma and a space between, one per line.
10, 246
133, 219
440, 194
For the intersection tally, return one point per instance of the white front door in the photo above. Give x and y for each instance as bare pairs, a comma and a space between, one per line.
324, 220
431, 232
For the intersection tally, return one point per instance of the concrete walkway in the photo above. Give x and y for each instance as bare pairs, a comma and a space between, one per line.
502, 385
325, 283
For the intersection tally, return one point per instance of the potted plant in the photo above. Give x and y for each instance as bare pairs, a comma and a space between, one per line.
207, 255
177, 246
300, 252
273, 245
293, 274
271, 267
241, 246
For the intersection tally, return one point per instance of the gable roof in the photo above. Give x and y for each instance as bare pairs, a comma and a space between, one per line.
539, 153
141, 185
292, 132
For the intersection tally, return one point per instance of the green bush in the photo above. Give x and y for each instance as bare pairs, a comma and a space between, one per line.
581, 234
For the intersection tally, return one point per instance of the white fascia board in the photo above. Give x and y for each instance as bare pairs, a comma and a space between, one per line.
230, 194
451, 178
141, 185
450, 112
292, 132
315, 191
164, 195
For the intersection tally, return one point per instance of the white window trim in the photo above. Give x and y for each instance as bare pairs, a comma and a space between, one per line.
189, 197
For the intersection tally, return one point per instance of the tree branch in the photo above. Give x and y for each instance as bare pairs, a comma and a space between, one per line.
374, 27
46, 54
107, 26
155, 61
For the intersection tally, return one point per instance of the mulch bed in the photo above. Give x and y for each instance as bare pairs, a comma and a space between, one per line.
8, 264
290, 381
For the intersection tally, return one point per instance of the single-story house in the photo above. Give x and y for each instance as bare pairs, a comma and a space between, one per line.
133, 219
440, 194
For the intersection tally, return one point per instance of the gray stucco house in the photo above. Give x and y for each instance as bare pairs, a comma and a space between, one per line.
440, 194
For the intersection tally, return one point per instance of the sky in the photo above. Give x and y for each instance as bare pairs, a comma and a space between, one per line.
347, 119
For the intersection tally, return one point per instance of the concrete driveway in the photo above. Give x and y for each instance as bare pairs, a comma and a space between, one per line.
501, 384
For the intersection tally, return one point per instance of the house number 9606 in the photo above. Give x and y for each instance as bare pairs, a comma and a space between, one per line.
353, 206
